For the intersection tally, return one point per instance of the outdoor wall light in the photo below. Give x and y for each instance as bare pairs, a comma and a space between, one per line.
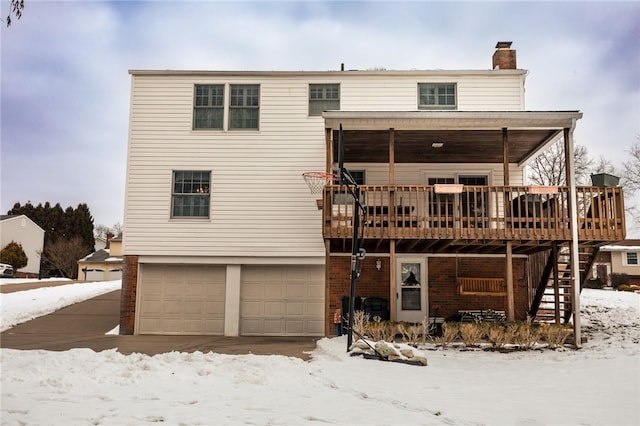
378, 264
437, 144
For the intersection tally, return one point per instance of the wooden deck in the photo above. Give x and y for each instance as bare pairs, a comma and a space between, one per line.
478, 218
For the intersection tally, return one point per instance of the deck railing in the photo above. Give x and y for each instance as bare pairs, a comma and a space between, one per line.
475, 212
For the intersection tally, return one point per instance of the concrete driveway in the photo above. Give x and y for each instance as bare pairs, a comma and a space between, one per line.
84, 324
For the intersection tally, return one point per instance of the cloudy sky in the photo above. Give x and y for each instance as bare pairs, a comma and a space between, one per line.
65, 82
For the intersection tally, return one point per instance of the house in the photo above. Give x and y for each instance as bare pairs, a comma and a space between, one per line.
222, 236
104, 264
22, 230
622, 257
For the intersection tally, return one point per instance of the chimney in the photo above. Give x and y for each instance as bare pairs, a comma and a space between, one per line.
504, 58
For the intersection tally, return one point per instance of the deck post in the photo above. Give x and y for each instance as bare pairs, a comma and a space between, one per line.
508, 276
575, 261
393, 291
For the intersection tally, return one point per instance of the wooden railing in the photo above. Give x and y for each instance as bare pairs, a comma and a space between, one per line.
475, 212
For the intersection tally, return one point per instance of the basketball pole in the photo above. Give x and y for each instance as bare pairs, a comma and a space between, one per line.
353, 188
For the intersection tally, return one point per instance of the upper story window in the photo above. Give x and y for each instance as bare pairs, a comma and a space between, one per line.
437, 96
323, 97
632, 258
190, 194
244, 106
208, 106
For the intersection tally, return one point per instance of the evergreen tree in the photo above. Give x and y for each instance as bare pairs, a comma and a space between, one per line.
14, 255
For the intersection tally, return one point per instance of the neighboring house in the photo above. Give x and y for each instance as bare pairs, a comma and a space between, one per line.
21, 229
222, 236
104, 264
99, 243
622, 257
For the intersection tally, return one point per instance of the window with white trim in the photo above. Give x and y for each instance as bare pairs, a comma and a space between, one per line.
632, 258
190, 194
437, 96
323, 97
208, 106
244, 106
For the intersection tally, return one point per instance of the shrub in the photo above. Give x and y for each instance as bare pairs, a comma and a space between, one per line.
556, 334
526, 334
14, 255
450, 332
618, 279
626, 287
472, 333
497, 335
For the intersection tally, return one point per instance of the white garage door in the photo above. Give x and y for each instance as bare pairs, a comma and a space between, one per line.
181, 299
94, 275
282, 301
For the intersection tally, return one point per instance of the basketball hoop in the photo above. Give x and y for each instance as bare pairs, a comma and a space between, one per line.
317, 180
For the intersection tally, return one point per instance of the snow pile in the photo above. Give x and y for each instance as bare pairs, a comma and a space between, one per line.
596, 385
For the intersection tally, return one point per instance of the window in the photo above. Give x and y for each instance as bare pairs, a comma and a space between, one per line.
437, 96
632, 258
244, 107
323, 97
208, 106
190, 196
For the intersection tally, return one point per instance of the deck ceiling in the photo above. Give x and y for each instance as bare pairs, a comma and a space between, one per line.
467, 137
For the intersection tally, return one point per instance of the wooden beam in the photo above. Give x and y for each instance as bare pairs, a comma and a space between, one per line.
328, 150
392, 156
393, 298
511, 312
505, 155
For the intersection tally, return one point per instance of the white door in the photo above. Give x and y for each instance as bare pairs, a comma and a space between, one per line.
277, 300
411, 287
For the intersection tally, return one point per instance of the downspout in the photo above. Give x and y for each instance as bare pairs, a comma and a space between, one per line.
575, 255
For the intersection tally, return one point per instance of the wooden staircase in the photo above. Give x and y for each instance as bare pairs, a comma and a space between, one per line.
552, 301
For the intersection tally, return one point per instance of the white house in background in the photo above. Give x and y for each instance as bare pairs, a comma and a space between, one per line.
104, 264
222, 237
21, 229
622, 257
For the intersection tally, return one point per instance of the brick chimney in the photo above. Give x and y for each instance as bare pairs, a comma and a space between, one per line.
504, 57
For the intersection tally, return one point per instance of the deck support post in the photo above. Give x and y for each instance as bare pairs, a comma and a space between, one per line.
575, 261
511, 314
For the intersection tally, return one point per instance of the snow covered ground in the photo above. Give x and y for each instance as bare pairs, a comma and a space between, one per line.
596, 385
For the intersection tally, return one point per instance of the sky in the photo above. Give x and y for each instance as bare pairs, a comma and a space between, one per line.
65, 86
596, 385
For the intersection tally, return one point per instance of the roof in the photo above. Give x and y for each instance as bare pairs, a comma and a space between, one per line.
101, 255
337, 73
624, 245
467, 136
16, 216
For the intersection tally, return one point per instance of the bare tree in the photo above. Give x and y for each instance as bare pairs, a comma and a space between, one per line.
548, 168
16, 7
63, 255
631, 168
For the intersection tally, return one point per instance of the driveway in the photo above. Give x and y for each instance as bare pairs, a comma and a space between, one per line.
85, 324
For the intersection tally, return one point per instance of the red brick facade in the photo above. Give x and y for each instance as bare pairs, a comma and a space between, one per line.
444, 297
128, 298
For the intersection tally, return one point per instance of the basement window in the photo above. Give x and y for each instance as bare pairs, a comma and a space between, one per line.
481, 286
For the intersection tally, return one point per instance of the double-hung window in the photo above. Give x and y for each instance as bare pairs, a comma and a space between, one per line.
190, 194
437, 96
323, 97
208, 106
244, 106
632, 258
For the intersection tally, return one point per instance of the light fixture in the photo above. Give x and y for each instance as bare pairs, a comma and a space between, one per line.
378, 264
437, 144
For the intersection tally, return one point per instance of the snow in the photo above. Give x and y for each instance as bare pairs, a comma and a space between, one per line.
598, 384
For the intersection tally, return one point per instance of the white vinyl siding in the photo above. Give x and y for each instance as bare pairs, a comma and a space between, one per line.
260, 203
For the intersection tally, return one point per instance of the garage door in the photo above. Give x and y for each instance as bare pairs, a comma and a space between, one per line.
282, 301
181, 299
94, 275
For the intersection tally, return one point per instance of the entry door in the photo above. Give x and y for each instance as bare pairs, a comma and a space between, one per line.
411, 287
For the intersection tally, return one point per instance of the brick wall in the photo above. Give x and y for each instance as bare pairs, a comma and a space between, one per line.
371, 283
128, 298
443, 290
444, 298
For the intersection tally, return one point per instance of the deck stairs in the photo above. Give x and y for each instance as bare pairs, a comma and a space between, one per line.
552, 302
